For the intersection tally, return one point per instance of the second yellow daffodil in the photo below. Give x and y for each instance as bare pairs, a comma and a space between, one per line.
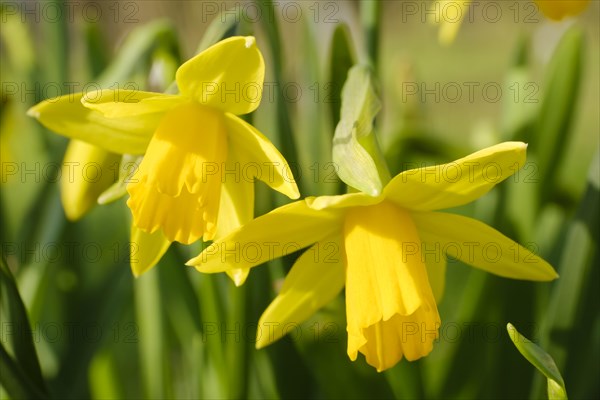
192, 182
388, 250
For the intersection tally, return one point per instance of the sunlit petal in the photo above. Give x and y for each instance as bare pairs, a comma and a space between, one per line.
236, 209
228, 76
342, 201
121, 103
259, 158
314, 280
385, 280
456, 183
178, 184
481, 246
66, 116
146, 250
280, 232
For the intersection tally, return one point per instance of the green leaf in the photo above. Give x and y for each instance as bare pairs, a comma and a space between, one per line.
138, 46
25, 369
354, 143
222, 26
341, 59
541, 360
558, 107
150, 319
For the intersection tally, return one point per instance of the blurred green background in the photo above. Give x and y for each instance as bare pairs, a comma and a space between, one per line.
174, 333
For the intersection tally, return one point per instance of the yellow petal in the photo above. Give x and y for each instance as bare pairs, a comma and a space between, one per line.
129, 103
66, 116
481, 246
178, 185
280, 232
146, 250
236, 209
386, 287
258, 158
449, 15
87, 171
314, 280
456, 183
342, 201
228, 75
435, 262
559, 9
409, 336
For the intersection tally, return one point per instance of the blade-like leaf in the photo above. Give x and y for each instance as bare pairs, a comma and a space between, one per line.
26, 364
558, 106
341, 59
541, 360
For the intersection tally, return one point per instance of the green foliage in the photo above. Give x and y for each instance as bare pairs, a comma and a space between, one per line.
175, 333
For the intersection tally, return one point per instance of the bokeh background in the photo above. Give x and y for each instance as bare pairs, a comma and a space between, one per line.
510, 74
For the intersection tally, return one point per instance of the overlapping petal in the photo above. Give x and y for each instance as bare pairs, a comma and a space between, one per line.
436, 263
314, 280
456, 183
121, 103
236, 209
146, 249
228, 75
342, 201
66, 116
259, 158
282, 231
481, 246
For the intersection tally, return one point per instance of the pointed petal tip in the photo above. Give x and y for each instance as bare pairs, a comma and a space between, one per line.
33, 112
191, 262
250, 41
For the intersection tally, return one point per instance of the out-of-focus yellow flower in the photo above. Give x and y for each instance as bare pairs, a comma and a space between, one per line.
87, 171
559, 9
449, 14
193, 181
389, 251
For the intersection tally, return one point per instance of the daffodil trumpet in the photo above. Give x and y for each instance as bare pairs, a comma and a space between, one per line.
188, 185
389, 251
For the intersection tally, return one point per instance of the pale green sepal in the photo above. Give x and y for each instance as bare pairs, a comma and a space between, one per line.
146, 249
542, 361
360, 105
129, 165
314, 280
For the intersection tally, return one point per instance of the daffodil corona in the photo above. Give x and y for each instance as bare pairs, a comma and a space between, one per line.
389, 251
192, 182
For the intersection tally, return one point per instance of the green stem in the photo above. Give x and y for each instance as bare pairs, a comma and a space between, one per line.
236, 348
369, 12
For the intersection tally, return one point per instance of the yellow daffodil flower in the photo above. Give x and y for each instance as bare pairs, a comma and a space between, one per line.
559, 9
389, 251
196, 178
449, 14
